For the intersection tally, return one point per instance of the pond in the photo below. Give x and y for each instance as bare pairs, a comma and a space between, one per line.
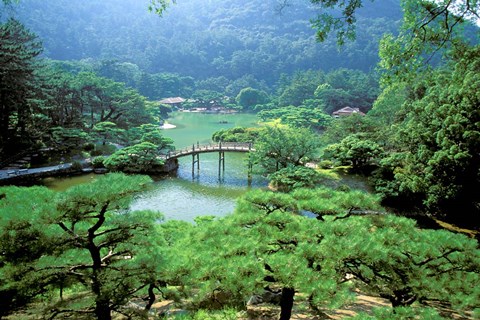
182, 196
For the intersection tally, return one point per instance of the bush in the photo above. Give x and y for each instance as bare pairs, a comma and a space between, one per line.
355, 150
326, 164
237, 134
139, 158
76, 166
104, 150
89, 147
226, 314
97, 162
344, 188
291, 178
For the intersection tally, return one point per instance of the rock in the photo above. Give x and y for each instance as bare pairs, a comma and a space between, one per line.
169, 166
254, 300
268, 296
216, 301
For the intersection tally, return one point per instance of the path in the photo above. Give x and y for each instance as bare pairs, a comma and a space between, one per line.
10, 173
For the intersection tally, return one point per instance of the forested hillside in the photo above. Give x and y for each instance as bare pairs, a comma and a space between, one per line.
203, 40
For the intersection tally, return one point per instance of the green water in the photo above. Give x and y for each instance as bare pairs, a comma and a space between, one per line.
199, 127
181, 195
62, 184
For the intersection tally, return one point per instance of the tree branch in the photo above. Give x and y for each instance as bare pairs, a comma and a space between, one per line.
111, 255
101, 220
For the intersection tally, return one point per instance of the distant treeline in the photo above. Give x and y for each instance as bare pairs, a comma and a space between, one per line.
218, 39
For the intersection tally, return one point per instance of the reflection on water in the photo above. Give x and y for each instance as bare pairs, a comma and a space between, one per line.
184, 197
62, 184
183, 200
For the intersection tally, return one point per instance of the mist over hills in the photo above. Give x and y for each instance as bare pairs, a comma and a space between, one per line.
203, 39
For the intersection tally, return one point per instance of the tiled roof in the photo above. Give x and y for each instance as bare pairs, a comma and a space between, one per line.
172, 100
348, 110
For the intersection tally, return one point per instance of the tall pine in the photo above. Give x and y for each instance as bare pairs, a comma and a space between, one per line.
18, 51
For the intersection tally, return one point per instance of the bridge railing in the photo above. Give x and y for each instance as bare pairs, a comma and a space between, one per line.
221, 146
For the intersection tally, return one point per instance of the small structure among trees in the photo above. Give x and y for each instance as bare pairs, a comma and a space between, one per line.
347, 111
174, 102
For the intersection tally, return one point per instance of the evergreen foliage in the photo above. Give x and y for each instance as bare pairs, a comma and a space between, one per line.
298, 117
354, 150
217, 39
281, 147
237, 134
347, 88
284, 252
404, 265
107, 131
18, 85
83, 252
435, 160
290, 178
83, 239
248, 98
139, 158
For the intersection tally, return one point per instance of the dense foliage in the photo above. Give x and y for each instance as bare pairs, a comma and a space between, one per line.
275, 250
425, 123
214, 40
436, 156
237, 134
354, 150
45, 105
139, 158
19, 81
281, 147
290, 178
83, 244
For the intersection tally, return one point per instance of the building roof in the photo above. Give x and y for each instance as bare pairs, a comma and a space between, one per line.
173, 100
348, 111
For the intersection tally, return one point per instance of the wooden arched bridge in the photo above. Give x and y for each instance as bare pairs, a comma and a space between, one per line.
196, 149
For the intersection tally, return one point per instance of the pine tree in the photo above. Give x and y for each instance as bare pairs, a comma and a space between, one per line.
18, 50
85, 240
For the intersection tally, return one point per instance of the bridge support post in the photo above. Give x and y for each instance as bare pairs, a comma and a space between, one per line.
250, 168
195, 160
221, 163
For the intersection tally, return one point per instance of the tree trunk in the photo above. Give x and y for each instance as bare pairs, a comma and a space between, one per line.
151, 297
102, 309
102, 303
4, 123
286, 303
402, 298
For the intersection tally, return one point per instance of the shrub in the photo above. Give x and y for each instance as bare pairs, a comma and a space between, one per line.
97, 162
343, 188
326, 164
89, 147
291, 178
104, 150
139, 158
76, 166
